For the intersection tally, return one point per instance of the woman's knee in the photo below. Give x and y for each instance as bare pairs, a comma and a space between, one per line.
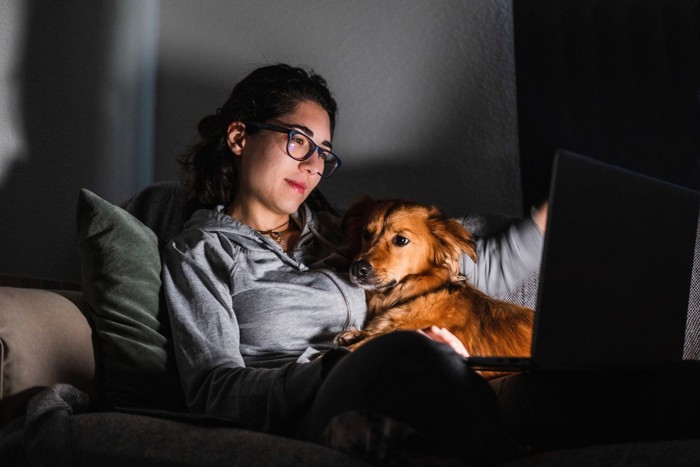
407, 347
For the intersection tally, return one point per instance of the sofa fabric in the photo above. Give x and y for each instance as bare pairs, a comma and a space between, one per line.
58, 430
691, 350
674, 453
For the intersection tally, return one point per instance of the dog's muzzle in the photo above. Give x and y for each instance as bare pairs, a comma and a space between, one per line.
363, 274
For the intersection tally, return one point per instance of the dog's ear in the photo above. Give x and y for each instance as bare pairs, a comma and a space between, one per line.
452, 238
354, 221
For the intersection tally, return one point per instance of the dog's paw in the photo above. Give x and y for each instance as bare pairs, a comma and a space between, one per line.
349, 337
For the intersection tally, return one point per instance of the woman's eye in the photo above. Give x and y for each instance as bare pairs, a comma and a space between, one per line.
400, 241
323, 155
299, 141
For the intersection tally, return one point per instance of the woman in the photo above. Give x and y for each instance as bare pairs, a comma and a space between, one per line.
257, 287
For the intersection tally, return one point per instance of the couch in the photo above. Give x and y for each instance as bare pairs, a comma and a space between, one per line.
62, 344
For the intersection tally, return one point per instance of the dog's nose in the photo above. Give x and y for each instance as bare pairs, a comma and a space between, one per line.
360, 269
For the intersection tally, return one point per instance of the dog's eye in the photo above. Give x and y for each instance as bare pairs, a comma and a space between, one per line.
366, 235
400, 241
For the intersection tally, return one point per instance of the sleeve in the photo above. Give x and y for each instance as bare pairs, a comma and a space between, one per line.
505, 260
216, 382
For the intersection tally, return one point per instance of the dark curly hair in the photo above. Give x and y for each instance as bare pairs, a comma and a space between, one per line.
208, 168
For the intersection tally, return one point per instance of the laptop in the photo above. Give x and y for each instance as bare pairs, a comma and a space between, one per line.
615, 272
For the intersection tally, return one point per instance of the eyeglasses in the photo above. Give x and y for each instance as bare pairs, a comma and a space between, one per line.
300, 147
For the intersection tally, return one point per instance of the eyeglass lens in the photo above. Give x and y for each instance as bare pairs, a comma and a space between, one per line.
300, 147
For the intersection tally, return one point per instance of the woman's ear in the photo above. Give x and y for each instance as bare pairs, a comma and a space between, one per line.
235, 137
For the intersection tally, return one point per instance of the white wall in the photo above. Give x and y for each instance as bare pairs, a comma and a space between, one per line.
426, 90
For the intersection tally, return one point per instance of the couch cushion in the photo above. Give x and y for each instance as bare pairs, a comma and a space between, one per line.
120, 265
58, 431
44, 339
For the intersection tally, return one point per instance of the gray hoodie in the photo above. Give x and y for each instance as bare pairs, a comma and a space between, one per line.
248, 319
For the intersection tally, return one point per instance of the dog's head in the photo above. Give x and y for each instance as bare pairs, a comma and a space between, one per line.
393, 239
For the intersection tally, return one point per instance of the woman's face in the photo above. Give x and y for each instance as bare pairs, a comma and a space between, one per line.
271, 183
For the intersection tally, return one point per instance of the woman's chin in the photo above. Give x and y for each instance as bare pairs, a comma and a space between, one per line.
291, 208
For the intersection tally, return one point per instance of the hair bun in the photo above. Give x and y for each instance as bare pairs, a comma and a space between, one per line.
210, 125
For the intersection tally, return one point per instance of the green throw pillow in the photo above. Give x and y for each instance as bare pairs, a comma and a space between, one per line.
121, 267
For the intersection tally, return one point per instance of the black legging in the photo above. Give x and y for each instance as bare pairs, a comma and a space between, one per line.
414, 380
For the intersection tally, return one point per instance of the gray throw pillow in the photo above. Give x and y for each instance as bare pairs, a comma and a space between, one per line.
120, 265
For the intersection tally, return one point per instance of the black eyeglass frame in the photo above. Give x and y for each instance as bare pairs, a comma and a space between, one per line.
315, 148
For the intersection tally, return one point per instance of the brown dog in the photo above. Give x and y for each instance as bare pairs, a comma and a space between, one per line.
408, 262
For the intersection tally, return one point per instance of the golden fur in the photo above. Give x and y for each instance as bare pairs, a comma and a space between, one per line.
407, 260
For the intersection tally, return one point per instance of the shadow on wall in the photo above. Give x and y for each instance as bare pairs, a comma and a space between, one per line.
450, 189
59, 73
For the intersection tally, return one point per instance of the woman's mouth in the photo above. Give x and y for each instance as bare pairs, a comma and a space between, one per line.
299, 187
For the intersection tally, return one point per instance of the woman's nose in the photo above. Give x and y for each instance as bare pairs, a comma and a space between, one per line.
313, 164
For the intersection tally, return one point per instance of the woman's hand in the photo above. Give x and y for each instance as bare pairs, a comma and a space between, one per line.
446, 337
539, 215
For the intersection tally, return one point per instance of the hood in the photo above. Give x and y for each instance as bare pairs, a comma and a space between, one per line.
323, 226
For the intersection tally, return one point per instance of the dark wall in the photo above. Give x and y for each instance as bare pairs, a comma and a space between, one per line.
618, 80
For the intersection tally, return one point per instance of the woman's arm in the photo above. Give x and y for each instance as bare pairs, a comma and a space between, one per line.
216, 382
504, 261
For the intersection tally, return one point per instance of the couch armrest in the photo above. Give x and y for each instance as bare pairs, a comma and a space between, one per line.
44, 339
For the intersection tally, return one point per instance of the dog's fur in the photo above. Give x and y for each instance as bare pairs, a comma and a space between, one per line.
407, 259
